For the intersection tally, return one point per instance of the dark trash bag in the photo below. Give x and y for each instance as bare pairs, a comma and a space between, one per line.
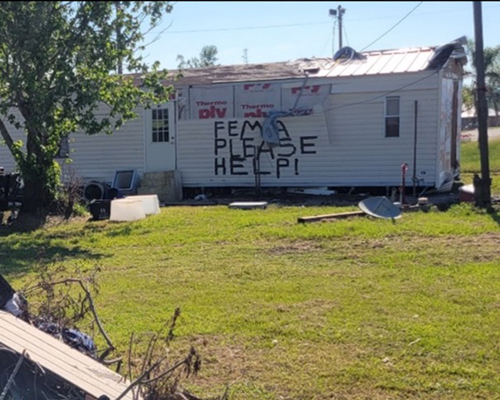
6, 291
72, 337
79, 341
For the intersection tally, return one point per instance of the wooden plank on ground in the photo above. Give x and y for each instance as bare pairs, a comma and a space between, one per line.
317, 218
78, 369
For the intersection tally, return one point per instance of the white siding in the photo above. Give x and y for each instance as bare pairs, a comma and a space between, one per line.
349, 141
356, 153
6, 159
363, 153
97, 157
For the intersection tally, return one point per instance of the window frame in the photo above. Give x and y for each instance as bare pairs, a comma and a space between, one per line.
64, 148
160, 134
392, 116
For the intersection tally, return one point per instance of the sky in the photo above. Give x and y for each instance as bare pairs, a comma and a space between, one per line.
280, 31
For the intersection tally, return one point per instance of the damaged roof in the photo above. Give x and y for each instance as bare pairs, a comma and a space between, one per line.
350, 64
74, 367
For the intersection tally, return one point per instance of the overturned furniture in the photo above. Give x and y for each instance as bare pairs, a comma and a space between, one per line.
10, 191
36, 365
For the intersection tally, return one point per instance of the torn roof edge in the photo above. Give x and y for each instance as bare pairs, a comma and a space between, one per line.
426, 58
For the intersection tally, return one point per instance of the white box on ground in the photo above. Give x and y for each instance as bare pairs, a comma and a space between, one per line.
127, 209
150, 202
249, 205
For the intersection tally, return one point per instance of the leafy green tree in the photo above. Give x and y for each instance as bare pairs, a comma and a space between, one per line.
492, 75
468, 96
207, 58
56, 67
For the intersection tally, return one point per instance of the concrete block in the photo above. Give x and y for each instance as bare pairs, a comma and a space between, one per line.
166, 185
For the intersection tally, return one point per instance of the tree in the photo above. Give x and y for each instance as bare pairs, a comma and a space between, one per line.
492, 75
207, 58
56, 67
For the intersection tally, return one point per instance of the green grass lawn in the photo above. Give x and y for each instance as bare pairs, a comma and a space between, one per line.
470, 163
353, 309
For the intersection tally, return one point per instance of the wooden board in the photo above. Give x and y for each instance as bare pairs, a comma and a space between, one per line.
78, 369
317, 218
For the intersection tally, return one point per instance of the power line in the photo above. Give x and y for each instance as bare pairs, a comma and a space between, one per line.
244, 28
345, 34
321, 53
333, 37
306, 23
394, 26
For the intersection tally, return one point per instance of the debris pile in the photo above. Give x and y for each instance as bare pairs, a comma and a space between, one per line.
45, 358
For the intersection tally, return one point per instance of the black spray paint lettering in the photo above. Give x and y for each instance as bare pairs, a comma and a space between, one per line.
305, 142
236, 144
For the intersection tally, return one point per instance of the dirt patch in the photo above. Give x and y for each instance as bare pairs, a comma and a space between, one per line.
300, 246
483, 247
28, 223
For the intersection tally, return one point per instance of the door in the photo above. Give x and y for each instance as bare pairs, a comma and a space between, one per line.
160, 137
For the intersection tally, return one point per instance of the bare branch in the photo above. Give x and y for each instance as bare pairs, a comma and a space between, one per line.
130, 357
12, 376
139, 380
165, 373
96, 317
157, 37
61, 282
88, 296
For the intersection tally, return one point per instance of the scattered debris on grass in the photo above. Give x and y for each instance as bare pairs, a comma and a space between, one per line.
43, 354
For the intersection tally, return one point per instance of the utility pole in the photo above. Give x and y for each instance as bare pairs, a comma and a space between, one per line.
482, 186
338, 13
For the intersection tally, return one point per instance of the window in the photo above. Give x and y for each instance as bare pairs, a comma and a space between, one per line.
63, 148
160, 125
392, 116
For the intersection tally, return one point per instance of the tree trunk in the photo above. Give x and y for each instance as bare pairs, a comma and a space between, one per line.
40, 175
36, 197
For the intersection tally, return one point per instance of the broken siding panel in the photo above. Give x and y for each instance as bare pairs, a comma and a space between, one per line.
97, 157
57, 357
445, 110
356, 153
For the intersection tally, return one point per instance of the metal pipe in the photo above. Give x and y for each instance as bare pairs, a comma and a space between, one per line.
415, 152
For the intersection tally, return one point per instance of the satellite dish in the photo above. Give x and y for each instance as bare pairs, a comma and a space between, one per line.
380, 207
